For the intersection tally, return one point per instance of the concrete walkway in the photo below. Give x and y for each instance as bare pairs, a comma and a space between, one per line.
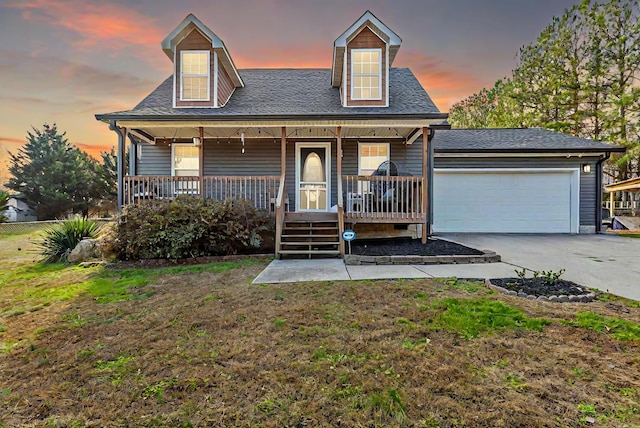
606, 262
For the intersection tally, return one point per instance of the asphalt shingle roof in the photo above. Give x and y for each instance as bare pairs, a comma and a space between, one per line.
513, 140
288, 92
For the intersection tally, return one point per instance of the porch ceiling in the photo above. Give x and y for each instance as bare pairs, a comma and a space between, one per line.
161, 132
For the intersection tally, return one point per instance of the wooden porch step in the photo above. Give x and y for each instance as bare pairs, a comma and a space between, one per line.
310, 252
308, 235
309, 243
310, 216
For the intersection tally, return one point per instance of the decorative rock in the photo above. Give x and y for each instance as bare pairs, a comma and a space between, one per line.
522, 295
554, 299
511, 293
563, 298
86, 249
543, 298
531, 297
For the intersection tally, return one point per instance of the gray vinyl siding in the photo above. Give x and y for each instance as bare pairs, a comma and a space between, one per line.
260, 157
155, 160
588, 192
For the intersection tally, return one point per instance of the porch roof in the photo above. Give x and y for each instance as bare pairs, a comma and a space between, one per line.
299, 94
515, 140
632, 184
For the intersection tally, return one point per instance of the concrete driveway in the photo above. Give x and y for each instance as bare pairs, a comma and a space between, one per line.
606, 262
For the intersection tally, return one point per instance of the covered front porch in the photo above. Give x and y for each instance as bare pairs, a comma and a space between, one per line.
272, 164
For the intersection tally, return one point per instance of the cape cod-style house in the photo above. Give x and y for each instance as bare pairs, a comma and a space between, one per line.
359, 145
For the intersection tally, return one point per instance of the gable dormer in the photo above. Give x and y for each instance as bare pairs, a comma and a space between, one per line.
204, 75
362, 56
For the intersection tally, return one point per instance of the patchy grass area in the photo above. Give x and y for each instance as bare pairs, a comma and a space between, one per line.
202, 346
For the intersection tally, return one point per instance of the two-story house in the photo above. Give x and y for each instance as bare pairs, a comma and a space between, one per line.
359, 145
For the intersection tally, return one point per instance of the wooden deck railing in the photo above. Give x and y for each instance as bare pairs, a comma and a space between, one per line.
387, 199
262, 190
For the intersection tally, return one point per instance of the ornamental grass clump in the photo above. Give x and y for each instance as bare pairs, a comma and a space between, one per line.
60, 239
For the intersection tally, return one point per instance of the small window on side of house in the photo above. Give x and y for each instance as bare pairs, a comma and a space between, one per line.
194, 75
366, 74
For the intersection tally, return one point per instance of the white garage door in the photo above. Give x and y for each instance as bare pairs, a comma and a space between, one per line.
506, 201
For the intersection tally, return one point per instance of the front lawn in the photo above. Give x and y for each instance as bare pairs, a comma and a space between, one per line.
202, 346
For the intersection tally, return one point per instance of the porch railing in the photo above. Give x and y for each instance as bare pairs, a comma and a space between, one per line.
623, 205
383, 198
262, 190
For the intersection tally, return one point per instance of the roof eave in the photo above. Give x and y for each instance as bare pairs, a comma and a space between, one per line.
230, 118
590, 150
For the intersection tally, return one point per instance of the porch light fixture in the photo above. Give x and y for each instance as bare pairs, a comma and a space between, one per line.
197, 141
586, 168
242, 139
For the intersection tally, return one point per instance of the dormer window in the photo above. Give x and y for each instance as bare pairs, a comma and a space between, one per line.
366, 74
194, 75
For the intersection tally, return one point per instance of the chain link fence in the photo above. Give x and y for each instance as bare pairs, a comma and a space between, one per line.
17, 228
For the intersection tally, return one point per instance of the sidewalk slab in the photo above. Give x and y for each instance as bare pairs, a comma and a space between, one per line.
479, 270
279, 271
385, 272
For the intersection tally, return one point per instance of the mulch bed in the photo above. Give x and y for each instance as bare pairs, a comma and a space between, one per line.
409, 247
560, 290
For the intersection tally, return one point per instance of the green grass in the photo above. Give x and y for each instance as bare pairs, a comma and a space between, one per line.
629, 235
473, 317
620, 329
33, 286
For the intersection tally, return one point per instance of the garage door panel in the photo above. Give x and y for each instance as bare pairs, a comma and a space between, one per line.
503, 202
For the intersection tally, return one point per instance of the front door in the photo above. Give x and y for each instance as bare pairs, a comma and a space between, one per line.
313, 176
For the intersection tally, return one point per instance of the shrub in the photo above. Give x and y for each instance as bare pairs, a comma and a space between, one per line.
60, 239
190, 227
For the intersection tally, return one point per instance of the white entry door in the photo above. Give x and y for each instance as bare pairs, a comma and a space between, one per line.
506, 201
313, 176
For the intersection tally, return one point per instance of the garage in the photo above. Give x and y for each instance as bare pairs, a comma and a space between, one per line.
543, 200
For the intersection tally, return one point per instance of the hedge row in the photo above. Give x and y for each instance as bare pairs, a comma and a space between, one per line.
191, 227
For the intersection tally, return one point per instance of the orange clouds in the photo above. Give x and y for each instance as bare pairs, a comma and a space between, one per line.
446, 84
11, 140
110, 26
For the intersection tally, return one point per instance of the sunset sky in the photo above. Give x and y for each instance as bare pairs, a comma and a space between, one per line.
62, 61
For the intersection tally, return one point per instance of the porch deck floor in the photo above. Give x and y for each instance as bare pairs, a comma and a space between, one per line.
283, 271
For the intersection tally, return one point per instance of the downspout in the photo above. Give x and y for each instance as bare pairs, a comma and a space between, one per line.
121, 141
430, 182
599, 193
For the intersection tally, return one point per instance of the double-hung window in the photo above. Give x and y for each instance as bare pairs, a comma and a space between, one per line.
186, 163
366, 74
194, 75
370, 156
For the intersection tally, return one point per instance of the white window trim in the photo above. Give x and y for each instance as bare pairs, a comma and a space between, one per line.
379, 50
361, 143
173, 157
182, 75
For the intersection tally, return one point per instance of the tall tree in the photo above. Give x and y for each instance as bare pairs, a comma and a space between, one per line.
581, 77
55, 177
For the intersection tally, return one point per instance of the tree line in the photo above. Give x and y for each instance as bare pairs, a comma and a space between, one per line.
581, 77
56, 178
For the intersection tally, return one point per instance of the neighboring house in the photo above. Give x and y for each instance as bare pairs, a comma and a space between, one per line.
305, 143
19, 210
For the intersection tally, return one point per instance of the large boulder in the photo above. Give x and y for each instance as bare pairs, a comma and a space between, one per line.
87, 249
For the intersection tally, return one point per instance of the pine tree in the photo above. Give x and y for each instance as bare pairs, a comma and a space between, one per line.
55, 177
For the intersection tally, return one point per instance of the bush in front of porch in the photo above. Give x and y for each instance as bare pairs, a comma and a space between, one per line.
189, 226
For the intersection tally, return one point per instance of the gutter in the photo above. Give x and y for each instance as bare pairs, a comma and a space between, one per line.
599, 191
231, 118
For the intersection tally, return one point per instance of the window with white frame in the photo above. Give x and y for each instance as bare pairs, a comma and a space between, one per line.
370, 156
366, 74
186, 160
194, 75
